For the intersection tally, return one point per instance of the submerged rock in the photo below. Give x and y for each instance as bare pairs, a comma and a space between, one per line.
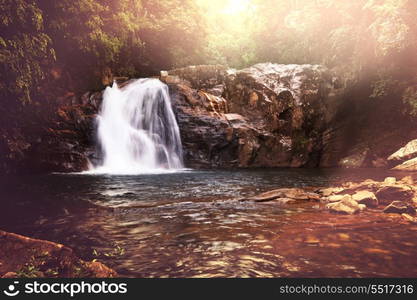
398, 207
285, 193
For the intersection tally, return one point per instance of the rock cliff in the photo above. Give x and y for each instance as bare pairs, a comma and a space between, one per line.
267, 115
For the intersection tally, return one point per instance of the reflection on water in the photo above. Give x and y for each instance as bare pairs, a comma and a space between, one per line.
191, 225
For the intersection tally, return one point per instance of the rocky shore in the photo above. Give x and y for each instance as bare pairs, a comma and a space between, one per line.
22, 256
390, 196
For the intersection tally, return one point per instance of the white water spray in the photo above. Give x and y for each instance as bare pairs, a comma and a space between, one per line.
137, 130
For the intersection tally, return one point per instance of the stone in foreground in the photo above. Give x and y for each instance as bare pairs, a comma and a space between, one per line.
22, 256
390, 180
366, 197
346, 206
329, 191
398, 207
335, 198
389, 193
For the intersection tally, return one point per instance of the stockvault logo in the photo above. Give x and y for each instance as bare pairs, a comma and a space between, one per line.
11, 290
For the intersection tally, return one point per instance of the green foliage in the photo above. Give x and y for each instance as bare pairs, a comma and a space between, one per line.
32, 268
117, 251
88, 38
24, 48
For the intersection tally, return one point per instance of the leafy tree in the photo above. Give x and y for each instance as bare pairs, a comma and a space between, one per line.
24, 49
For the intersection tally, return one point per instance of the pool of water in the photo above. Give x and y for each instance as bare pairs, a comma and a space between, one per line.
189, 224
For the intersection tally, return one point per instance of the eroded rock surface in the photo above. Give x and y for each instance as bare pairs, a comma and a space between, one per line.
267, 115
407, 152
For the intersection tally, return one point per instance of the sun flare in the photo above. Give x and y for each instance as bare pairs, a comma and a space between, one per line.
234, 7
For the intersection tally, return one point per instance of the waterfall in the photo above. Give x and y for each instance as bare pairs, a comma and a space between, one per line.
137, 130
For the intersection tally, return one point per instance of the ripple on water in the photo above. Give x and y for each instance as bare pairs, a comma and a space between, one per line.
191, 225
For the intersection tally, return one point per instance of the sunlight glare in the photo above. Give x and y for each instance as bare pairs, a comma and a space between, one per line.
234, 7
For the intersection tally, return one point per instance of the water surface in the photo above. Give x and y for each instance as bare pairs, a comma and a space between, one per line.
189, 224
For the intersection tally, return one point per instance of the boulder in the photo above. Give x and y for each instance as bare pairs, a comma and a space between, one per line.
365, 197
389, 193
399, 207
355, 160
407, 152
390, 180
352, 188
335, 198
346, 206
409, 165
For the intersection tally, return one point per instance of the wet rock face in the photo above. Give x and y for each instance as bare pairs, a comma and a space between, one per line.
405, 159
63, 139
206, 133
267, 116
407, 152
409, 165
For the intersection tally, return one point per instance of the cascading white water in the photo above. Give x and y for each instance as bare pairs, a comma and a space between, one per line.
137, 130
